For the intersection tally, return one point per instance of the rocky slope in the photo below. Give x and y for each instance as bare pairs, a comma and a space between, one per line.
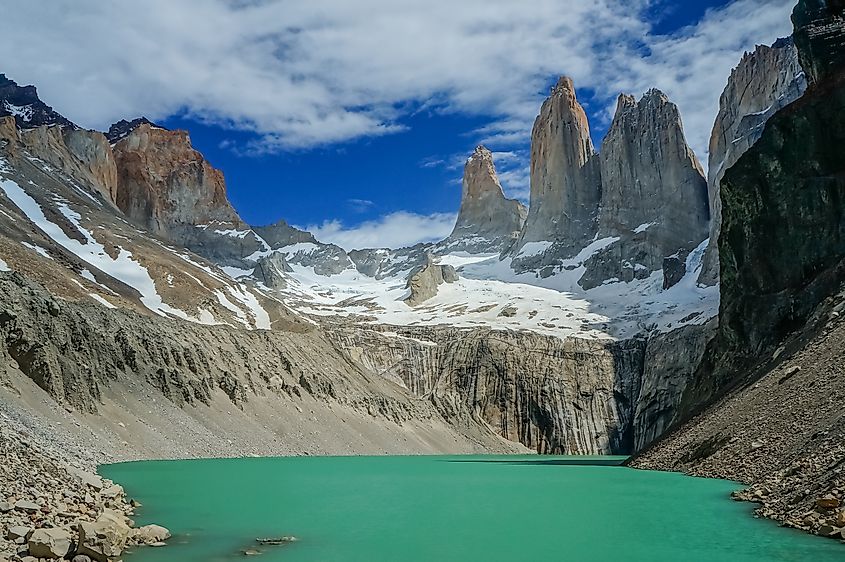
487, 221
772, 371
765, 81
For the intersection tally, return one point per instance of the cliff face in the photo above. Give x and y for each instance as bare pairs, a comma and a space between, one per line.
770, 383
765, 81
84, 156
168, 188
654, 196
565, 175
553, 395
487, 220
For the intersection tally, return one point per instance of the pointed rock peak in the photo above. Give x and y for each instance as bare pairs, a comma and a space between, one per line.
23, 103
624, 103
481, 152
564, 84
486, 214
123, 128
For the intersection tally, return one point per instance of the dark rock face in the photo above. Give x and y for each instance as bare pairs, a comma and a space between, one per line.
282, 234
782, 246
820, 37
122, 128
23, 103
487, 220
765, 81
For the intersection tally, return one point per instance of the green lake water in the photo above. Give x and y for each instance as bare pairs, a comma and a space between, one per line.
463, 509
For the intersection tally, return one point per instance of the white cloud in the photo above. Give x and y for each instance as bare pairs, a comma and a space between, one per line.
302, 73
395, 230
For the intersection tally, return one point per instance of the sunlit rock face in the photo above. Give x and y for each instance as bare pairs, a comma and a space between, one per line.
565, 179
487, 220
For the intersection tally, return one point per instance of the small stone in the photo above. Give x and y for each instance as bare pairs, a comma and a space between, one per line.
6, 507
81, 558
27, 506
757, 445
828, 502
17, 532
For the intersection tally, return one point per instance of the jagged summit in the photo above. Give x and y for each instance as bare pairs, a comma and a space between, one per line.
23, 103
122, 128
621, 212
487, 220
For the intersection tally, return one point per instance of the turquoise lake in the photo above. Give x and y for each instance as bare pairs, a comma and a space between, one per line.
463, 508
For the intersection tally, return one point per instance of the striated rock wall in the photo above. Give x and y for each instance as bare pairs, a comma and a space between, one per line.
553, 395
487, 220
765, 81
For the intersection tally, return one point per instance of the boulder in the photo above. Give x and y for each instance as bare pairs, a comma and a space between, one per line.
105, 538
49, 543
150, 534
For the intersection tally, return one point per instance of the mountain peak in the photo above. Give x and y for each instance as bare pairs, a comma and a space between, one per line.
486, 216
23, 103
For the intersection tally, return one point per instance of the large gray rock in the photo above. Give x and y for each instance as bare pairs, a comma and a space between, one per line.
105, 538
424, 282
764, 81
487, 220
654, 196
49, 543
565, 181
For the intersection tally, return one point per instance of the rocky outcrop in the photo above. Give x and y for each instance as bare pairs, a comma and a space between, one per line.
168, 188
23, 103
122, 129
565, 181
654, 196
423, 283
381, 263
83, 156
765, 81
487, 220
768, 393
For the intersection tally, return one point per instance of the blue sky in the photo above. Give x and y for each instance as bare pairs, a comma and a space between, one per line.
353, 119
